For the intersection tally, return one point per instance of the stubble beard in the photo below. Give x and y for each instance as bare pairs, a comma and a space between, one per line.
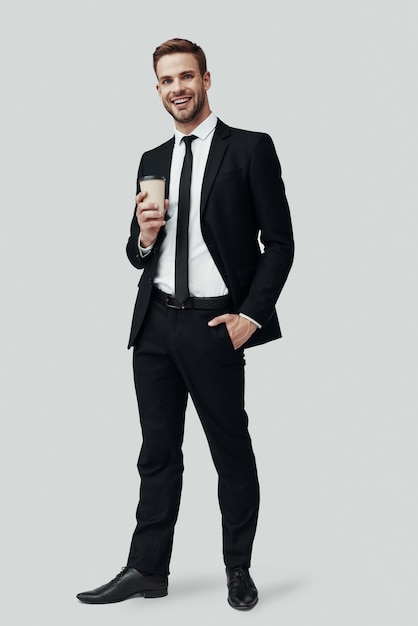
177, 115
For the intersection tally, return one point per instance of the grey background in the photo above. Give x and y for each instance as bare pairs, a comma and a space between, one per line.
332, 405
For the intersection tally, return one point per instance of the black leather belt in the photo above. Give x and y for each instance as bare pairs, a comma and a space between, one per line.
220, 302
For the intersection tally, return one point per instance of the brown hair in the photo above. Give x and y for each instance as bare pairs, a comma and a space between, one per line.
180, 45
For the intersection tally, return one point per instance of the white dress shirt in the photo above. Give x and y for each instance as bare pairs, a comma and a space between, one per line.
204, 277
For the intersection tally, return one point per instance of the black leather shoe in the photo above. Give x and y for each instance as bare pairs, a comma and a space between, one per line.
129, 582
242, 592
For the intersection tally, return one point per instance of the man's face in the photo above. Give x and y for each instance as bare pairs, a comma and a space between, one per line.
182, 90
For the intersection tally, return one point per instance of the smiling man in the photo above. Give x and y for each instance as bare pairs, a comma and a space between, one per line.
192, 106
207, 292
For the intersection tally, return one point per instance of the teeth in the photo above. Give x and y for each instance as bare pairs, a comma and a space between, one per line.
182, 101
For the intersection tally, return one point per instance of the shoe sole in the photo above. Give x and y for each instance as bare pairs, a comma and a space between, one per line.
155, 593
147, 593
243, 608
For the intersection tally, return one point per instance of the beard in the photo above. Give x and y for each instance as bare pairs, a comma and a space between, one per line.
185, 117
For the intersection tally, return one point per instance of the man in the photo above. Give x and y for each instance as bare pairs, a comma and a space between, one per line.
193, 342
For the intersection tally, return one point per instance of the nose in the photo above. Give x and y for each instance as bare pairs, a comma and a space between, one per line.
177, 85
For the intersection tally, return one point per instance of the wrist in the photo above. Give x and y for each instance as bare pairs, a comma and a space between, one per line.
146, 243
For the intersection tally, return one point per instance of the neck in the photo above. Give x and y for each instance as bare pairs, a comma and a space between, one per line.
188, 127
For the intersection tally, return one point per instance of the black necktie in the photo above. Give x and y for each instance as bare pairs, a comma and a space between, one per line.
182, 237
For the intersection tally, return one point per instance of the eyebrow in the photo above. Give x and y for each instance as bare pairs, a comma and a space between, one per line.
180, 74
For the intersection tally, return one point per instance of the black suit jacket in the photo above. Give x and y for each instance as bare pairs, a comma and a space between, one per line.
243, 202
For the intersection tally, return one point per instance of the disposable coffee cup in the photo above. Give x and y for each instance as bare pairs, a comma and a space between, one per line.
155, 188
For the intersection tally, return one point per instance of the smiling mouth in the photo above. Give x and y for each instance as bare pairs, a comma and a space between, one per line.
180, 101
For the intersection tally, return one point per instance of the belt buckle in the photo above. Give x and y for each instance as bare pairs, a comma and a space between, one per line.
172, 306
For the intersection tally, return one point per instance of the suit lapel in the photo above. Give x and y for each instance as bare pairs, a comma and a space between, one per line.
165, 157
217, 150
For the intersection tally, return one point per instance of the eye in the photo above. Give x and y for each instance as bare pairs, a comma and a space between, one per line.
166, 81
188, 76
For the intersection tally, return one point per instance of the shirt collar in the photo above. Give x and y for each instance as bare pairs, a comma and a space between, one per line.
202, 131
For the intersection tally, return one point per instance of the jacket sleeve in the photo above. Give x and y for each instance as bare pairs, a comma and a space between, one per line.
273, 219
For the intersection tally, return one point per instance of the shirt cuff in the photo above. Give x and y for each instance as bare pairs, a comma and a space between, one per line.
144, 251
251, 319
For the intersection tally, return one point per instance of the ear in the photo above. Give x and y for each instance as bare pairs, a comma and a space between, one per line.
206, 80
157, 86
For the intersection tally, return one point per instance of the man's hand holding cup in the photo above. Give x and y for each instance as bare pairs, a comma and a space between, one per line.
151, 208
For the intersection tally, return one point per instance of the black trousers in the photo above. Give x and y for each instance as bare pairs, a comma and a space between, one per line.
177, 354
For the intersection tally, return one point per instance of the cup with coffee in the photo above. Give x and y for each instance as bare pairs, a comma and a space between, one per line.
155, 188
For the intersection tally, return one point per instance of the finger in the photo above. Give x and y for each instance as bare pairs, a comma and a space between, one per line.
150, 224
160, 210
140, 196
148, 210
220, 319
147, 206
